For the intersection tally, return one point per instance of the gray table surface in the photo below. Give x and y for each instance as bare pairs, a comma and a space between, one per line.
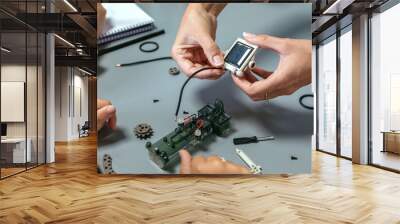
132, 90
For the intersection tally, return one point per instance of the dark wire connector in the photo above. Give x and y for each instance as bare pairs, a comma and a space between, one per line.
254, 139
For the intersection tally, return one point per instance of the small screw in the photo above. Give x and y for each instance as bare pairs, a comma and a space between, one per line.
173, 71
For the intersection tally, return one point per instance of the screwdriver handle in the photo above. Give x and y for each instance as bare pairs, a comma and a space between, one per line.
245, 140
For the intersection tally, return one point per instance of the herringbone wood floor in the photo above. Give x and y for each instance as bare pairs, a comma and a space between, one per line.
70, 191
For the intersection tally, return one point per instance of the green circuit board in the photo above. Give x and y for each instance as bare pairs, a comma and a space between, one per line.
191, 131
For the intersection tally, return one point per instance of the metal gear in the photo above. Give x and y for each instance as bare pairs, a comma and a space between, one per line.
143, 131
107, 164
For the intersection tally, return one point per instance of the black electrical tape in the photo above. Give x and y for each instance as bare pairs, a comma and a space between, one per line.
142, 49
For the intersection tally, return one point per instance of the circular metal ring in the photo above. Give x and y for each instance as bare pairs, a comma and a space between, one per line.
142, 49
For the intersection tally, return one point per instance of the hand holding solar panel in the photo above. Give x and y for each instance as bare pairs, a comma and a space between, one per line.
292, 73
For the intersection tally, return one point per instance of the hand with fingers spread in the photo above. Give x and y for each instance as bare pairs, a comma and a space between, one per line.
106, 113
292, 73
195, 46
209, 165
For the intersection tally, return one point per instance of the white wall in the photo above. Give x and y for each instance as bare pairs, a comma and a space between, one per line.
12, 73
12, 101
33, 127
61, 103
80, 84
70, 83
16, 73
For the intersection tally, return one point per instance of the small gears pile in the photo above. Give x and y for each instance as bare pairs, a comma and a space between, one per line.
143, 131
107, 164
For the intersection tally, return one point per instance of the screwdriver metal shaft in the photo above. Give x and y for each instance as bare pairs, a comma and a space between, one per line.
254, 169
267, 138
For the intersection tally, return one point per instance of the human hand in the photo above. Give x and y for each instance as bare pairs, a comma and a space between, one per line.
209, 165
293, 72
195, 46
106, 113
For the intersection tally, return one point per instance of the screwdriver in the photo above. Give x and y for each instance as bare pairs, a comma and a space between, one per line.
254, 139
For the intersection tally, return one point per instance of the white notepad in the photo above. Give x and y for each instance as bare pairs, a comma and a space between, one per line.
126, 18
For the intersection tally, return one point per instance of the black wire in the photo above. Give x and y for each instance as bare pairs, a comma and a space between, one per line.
301, 101
145, 61
187, 80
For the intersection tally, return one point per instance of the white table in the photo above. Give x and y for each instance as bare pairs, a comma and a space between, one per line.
19, 149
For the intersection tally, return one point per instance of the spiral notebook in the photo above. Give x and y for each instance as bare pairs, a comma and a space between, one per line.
123, 20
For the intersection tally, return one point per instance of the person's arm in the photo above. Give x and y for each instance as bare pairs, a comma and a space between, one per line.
208, 165
292, 73
195, 46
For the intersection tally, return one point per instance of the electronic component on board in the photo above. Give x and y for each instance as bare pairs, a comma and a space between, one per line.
191, 130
